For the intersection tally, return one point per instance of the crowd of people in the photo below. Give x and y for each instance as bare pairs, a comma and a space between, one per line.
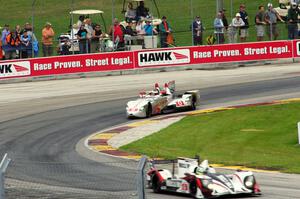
138, 23
265, 23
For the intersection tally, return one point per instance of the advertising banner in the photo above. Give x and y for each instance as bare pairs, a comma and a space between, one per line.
242, 52
296, 48
67, 64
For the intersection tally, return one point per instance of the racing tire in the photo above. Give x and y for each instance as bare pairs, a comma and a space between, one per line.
155, 185
149, 111
193, 189
193, 106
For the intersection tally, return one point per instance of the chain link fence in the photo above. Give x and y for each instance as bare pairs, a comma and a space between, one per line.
180, 14
119, 179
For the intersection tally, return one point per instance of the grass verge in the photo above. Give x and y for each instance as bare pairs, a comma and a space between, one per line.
262, 137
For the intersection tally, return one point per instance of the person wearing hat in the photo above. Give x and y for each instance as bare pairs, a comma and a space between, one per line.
292, 19
244, 30
271, 17
260, 23
198, 29
164, 31
148, 28
47, 40
235, 25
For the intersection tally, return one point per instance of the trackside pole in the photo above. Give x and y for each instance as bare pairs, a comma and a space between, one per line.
141, 178
298, 132
3, 166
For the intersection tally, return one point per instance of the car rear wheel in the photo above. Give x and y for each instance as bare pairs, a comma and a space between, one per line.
149, 111
155, 185
193, 189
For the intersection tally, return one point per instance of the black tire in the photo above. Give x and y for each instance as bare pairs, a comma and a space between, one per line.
193, 106
149, 111
155, 185
193, 189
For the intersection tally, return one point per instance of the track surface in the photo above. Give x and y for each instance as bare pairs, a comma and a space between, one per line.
42, 143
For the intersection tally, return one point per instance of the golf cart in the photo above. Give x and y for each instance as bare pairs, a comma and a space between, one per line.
282, 10
69, 39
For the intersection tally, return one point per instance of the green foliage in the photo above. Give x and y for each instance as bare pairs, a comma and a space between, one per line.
261, 137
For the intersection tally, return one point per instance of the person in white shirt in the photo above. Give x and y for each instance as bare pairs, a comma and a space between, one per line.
236, 23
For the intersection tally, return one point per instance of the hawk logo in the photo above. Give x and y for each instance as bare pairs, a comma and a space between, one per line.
14, 69
164, 57
298, 48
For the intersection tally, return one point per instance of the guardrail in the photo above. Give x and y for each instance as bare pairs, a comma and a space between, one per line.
132, 60
3, 166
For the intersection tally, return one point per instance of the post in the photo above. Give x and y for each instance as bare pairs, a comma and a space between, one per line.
113, 27
141, 178
220, 5
3, 166
298, 132
192, 17
72, 29
32, 25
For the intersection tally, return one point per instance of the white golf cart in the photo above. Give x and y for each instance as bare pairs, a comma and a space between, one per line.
70, 38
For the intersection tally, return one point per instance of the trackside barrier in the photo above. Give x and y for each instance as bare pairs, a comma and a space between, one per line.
3, 166
129, 60
141, 178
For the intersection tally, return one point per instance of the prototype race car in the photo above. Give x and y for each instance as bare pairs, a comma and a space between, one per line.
201, 181
160, 101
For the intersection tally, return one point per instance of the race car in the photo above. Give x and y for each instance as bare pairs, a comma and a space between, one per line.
201, 181
160, 101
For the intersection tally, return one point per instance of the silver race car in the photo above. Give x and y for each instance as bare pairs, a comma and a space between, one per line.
201, 181
160, 101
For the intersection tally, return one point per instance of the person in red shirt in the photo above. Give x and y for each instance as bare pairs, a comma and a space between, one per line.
117, 33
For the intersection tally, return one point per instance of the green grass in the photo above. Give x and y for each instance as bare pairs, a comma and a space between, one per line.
260, 137
178, 12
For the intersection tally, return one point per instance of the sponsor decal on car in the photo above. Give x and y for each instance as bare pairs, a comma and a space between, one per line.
164, 57
15, 69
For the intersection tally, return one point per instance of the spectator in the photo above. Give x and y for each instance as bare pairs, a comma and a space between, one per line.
224, 19
26, 43
117, 33
259, 21
12, 41
139, 28
1, 52
244, 29
47, 40
80, 21
18, 30
82, 37
292, 19
164, 31
35, 43
142, 11
97, 34
128, 33
235, 26
198, 29
271, 17
219, 29
130, 12
148, 28
5, 32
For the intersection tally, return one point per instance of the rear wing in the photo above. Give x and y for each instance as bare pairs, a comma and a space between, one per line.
196, 95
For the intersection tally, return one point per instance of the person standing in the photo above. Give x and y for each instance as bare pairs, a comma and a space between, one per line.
219, 29
12, 43
47, 40
292, 19
198, 29
271, 17
260, 23
235, 26
224, 19
244, 29
4, 34
96, 36
117, 33
164, 32
82, 37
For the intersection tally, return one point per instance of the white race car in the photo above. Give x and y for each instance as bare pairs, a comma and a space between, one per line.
201, 181
160, 101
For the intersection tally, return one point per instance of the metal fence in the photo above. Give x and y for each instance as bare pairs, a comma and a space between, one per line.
180, 14
26, 179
